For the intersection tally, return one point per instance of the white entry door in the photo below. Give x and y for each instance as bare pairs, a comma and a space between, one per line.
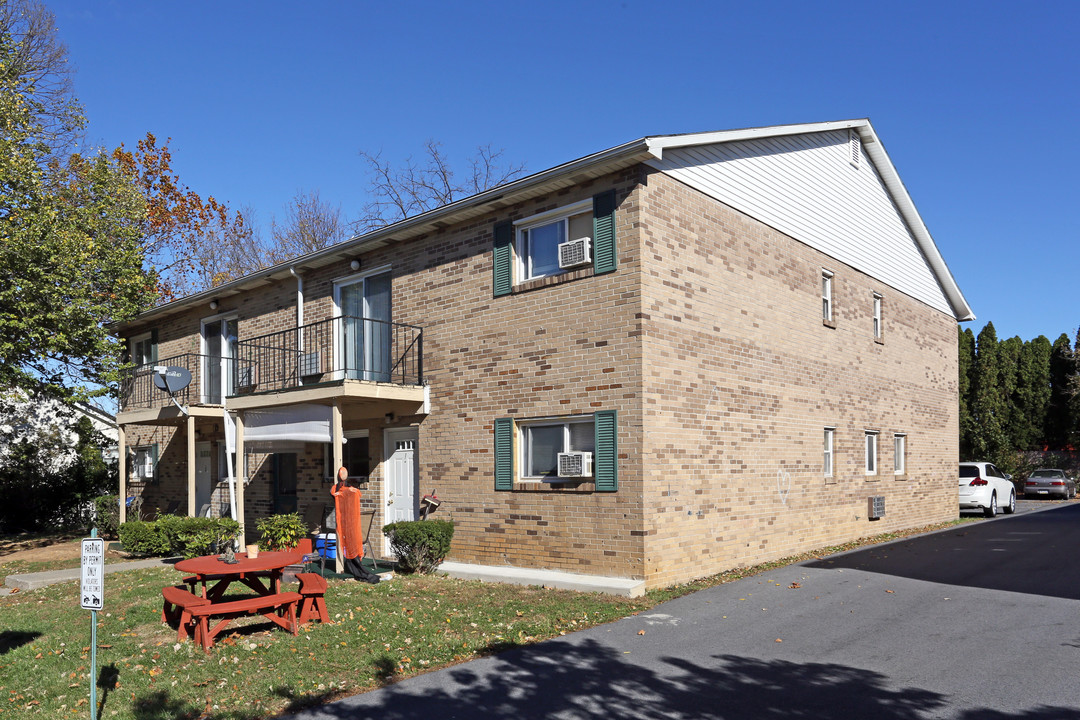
402, 477
204, 483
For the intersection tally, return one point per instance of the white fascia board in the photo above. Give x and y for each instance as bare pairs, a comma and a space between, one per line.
657, 144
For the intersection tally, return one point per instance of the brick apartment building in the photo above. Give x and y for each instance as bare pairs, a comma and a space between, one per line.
666, 359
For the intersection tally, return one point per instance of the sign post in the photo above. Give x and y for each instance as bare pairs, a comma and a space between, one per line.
92, 592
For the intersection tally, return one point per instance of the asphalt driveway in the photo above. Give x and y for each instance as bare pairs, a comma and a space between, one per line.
981, 621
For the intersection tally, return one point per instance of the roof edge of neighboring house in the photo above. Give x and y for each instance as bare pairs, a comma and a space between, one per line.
615, 157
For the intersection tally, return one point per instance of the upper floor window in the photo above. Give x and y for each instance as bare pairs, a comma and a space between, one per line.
827, 464
877, 316
826, 296
539, 238
143, 349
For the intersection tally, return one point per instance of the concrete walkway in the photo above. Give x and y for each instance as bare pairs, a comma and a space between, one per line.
547, 578
486, 573
33, 581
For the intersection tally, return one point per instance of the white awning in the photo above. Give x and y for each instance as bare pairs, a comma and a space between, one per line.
292, 425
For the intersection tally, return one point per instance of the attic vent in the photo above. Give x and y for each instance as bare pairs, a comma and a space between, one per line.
854, 147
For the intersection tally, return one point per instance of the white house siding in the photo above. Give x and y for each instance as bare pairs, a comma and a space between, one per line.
806, 187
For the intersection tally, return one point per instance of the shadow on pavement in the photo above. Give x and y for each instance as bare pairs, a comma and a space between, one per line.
1030, 553
560, 679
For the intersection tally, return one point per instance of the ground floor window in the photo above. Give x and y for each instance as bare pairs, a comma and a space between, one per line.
871, 452
144, 463
899, 452
828, 459
543, 441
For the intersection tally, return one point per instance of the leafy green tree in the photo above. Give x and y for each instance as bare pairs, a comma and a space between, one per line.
1060, 420
70, 249
1009, 352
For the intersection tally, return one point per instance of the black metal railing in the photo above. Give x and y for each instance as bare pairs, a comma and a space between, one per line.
138, 391
342, 348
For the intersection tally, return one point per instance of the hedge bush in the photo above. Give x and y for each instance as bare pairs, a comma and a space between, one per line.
143, 538
420, 545
178, 535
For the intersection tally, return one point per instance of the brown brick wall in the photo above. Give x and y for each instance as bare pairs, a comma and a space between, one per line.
742, 377
708, 340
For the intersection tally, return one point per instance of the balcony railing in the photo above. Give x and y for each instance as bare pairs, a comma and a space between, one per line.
342, 348
137, 389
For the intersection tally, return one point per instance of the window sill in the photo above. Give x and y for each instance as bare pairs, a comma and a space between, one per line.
829, 323
567, 485
873, 478
879, 341
900, 476
530, 285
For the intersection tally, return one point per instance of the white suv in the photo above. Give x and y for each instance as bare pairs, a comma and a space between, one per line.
984, 487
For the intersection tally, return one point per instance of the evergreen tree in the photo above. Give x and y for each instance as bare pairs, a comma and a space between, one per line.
988, 406
1032, 394
1009, 353
1059, 416
966, 366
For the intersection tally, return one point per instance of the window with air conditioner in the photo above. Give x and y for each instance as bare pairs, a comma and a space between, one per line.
554, 242
552, 450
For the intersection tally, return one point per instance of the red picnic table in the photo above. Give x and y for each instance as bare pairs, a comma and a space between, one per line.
269, 601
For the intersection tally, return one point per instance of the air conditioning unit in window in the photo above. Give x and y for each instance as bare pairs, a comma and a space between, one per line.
575, 464
574, 252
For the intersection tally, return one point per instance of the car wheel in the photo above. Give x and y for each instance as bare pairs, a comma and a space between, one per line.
991, 509
1011, 507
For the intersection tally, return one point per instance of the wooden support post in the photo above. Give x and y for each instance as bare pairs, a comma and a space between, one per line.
192, 510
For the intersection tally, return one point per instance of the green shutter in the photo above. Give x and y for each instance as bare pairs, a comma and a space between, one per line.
605, 458
502, 261
153, 345
504, 454
605, 253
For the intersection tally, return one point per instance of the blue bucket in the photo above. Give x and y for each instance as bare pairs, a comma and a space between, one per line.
326, 545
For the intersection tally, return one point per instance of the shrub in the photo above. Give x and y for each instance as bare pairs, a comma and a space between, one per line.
178, 535
280, 532
107, 512
202, 536
143, 538
420, 545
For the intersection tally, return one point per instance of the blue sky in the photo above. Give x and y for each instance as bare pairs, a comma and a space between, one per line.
265, 99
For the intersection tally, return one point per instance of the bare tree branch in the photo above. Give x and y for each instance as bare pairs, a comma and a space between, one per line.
400, 193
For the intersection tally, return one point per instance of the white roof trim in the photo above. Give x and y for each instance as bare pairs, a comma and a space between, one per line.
635, 150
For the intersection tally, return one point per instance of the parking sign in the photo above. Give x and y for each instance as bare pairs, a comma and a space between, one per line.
93, 574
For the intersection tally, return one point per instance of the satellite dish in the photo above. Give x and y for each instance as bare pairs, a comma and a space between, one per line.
171, 378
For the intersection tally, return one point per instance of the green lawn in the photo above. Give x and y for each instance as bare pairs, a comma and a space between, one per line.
379, 634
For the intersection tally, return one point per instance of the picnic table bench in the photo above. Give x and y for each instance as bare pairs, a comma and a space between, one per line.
278, 608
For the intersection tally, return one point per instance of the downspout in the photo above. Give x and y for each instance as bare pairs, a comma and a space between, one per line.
299, 319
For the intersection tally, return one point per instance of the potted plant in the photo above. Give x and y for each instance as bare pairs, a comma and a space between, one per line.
281, 532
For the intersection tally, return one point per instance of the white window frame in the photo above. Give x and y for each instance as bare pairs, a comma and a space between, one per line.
826, 296
340, 283
524, 443
523, 269
899, 454
871, 456
136, 340
877, 316
829, 456
146, 461
226, 359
